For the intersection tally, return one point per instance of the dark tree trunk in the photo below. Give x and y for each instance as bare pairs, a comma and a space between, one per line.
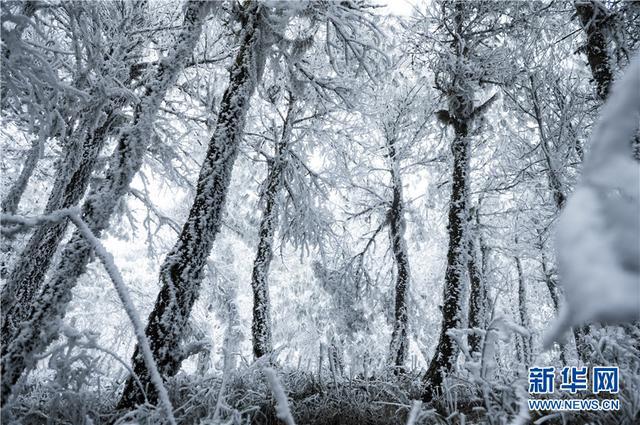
28, 273
461, 111
182, 272
42, 322
261, 324
525, 354
593, 17
445, 353
84, 142
399, 338
478, 296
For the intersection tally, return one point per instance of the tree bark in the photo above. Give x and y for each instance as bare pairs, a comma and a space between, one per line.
593, 17
41, 325
525, 354
28, 273
12, 199
444, 357
399, 337
11, 202
460, 114
261, 324
83, 145
181, 273
478, 296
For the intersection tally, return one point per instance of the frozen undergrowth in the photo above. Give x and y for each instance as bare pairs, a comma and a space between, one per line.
74, 390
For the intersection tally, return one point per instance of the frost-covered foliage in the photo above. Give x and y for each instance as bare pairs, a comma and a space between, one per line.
316, 212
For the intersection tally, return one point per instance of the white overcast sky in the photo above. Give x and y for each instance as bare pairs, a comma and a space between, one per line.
400, 7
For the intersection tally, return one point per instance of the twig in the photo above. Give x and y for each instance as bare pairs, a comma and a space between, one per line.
123, 294
282, 405
415, 411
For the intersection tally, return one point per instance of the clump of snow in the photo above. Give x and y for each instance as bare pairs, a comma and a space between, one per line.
598, 240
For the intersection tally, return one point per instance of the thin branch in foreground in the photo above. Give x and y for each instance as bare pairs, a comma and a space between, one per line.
118, 282
282, 405
415, 411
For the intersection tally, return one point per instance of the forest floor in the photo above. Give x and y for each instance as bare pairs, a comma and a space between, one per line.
244, 397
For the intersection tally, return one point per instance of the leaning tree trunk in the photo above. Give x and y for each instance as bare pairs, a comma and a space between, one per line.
261, 324
42, 324
12, 200
182, 272
98, 120
399, 338
28, 273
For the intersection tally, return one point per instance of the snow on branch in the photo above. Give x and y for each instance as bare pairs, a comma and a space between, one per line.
19, 223
282, 404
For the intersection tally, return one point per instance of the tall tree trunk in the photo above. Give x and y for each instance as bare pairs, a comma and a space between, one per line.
181, 273
261, 324
461, 111
559, 197
399, 337
445, 353
41, 325
478, 294
525, 355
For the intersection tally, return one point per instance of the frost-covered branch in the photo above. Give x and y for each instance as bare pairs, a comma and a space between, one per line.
121, 288
282, 404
